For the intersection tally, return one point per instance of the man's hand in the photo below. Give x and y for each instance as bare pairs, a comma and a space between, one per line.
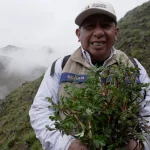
77, 145
133, 145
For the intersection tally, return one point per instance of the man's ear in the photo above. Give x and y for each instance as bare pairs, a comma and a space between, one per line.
78, 34
116, 33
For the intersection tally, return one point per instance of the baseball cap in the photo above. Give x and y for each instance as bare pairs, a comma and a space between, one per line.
99, 7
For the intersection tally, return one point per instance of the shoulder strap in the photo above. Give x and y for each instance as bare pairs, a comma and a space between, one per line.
134, 62
136, 66
65, 59
53, 67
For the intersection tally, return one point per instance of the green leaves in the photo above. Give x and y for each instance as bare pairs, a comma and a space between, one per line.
89, 111
99, 140
103, 112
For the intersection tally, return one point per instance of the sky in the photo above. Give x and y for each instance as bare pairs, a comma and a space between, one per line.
50, 23
35, 25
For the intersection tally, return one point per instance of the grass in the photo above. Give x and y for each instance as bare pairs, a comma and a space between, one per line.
15, 129
134, 34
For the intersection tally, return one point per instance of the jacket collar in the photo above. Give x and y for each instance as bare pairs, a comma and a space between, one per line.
88, 57
85, 58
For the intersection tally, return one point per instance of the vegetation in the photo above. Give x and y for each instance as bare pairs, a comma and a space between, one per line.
134, 34
100, 113
15, 130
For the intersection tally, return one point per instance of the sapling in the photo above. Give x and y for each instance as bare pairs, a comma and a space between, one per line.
103, 112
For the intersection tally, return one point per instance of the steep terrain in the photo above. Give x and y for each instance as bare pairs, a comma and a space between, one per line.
134, 36
15, 129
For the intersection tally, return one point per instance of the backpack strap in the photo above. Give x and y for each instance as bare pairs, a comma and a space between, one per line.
134, 62
136, 66
65, 59
53, 67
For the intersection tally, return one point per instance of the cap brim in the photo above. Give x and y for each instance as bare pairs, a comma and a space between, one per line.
83, 15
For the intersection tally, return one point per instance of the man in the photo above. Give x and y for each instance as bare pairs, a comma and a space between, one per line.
97, 33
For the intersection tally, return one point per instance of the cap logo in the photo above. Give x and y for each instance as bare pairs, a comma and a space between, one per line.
99, 5
96, 5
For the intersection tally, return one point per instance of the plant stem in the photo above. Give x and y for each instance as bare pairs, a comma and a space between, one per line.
90, 131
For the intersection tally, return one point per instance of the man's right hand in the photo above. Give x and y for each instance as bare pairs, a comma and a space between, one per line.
132, 145
77, 145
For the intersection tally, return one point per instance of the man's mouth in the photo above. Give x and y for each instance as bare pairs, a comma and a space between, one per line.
98, 43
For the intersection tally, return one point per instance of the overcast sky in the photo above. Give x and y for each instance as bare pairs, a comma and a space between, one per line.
47, 22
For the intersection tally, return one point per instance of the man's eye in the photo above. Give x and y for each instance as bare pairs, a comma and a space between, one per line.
89, 26
106, 25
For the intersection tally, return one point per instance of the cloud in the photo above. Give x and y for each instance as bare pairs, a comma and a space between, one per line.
46, 22
32, 24
19, 65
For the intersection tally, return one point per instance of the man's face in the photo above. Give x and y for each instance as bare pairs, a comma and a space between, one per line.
97, 35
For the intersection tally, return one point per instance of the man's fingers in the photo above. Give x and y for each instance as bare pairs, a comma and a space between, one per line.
77, 145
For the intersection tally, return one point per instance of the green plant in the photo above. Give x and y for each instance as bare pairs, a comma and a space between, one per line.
103, 112
30, 138
14, 123
12, 141
36, 146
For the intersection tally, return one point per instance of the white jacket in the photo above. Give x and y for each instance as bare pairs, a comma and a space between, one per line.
39, 112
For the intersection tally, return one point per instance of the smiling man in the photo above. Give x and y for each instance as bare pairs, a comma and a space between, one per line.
97, 34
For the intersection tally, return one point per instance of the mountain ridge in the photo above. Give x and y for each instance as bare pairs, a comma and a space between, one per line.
134, 34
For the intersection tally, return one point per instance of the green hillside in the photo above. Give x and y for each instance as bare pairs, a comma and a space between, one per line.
15, 130
134, 36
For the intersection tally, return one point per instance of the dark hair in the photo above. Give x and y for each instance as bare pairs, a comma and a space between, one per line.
112, 21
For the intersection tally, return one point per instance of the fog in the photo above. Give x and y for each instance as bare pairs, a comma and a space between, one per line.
19, 65
33, 33
47, 22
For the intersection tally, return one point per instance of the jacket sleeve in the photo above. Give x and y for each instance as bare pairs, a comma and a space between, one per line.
39, 112
145, 111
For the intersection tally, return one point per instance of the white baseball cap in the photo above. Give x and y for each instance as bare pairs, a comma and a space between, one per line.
99, 7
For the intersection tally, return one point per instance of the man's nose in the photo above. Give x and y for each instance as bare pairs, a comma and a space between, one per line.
98, 32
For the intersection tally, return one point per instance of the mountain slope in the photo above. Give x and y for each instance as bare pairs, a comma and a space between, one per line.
15, 129
134, 34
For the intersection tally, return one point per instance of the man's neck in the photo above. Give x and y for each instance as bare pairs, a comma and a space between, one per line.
98, 63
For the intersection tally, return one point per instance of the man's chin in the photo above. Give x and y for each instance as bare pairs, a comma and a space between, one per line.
98, 52
99, 55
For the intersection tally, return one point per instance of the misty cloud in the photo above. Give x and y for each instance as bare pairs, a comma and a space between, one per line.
19, 65
35, 23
